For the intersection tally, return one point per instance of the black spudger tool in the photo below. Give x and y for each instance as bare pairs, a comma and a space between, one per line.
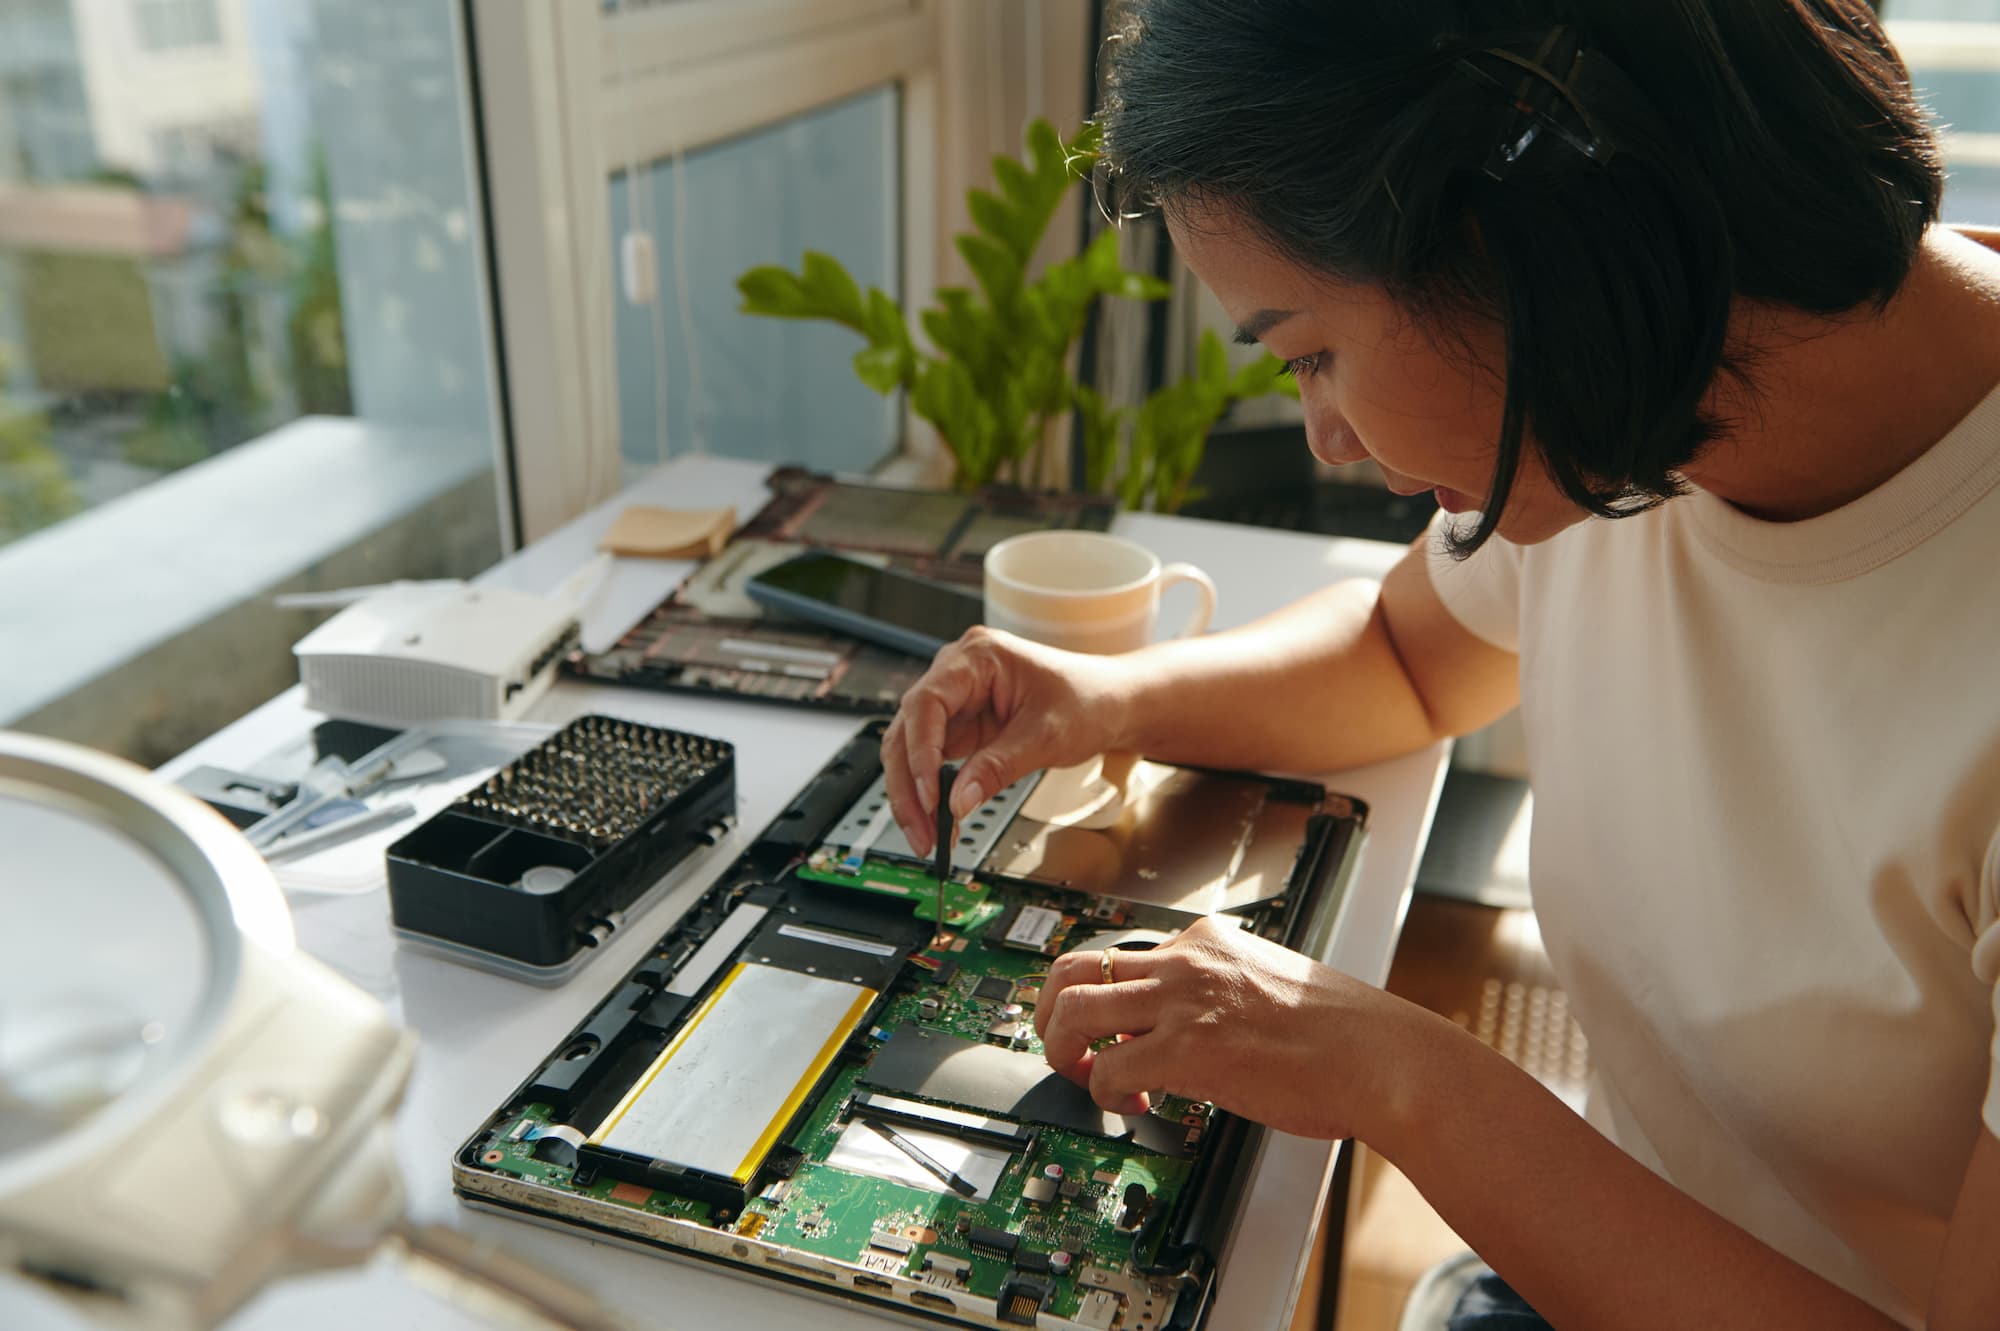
958, 1183
947, 837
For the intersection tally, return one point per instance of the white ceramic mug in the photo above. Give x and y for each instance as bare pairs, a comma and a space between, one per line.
1085, 591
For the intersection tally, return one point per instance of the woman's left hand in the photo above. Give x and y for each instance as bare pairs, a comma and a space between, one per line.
1222, 1016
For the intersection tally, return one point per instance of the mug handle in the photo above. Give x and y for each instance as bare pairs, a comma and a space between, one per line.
1204, 585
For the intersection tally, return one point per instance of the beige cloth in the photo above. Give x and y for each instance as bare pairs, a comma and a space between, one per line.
1766, 763
669, 533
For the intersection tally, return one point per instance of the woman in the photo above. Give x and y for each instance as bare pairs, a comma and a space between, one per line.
1656, 287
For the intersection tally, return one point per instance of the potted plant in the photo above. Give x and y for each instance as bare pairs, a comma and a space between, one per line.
996, 371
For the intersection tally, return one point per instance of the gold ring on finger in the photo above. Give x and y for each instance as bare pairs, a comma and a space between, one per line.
1104, 960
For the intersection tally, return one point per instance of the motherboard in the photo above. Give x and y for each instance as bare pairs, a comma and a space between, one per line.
829, 1072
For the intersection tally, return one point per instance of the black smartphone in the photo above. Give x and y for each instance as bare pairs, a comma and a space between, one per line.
879, 605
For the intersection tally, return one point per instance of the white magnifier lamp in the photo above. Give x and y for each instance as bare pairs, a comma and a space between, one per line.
190, 1108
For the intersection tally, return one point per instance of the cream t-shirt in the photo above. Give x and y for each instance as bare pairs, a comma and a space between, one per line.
1766, 846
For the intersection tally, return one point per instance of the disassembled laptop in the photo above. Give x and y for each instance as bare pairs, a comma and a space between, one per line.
812, 1077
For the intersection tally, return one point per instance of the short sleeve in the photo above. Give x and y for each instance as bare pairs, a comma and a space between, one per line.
1482, 592
1986, 965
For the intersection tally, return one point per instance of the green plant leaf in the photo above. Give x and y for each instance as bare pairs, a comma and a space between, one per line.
1101, 425
1033, 187
1100, 258
775, 292
998, 271
945, 396
1036, 327
1011, 416
1260, 376
947, 333
1141, 286
1061, 300
1016, 185
1112, 278
882, 320
1001, 369
1138, 477
963, 329
1047, 150
1212, 361
829, 283
821, 290
1002, 222
883, 369
1162, 421
1044, 385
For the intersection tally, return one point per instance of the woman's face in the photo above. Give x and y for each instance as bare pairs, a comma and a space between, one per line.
1374, 385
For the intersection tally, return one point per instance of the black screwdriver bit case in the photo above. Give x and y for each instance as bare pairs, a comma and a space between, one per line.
539, 864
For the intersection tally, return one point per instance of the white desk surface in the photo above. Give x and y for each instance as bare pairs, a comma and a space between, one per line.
481, 1033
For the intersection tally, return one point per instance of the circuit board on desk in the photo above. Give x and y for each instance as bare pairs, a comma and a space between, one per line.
809, 1080
710, 637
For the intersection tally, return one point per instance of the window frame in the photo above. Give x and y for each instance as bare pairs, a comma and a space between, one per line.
590, 90
593, 90
150, 18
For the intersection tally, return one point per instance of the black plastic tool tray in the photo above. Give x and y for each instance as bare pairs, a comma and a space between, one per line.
531, 865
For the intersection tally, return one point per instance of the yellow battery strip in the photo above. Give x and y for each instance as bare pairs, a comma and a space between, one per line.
718, 1097
681, 1037
848, 1022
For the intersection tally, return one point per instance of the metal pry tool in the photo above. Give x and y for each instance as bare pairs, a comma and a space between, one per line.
947, 838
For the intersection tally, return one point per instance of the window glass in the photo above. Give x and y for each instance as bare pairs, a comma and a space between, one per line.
692, 371
229, 227
1962, 86
1973, 196
167, 25
1967, 11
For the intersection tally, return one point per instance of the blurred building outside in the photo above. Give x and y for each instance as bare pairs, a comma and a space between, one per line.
167, 279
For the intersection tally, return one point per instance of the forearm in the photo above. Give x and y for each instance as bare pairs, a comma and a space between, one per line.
1583, 1232
1315, 687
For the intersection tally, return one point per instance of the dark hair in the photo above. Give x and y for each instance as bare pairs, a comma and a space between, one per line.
1769, 149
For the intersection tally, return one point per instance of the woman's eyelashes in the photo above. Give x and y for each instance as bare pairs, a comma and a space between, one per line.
1304, 367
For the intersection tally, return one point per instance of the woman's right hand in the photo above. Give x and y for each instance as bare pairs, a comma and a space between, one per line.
1008, 707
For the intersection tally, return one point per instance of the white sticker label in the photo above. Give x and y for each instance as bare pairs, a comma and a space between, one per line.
689, 979
873, 947
1033, 927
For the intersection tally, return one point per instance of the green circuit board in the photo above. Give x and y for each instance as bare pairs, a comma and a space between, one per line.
831, 1212
967, 904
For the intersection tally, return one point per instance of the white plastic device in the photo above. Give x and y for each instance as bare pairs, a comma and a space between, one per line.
416, 652
190, 1108
199, 1124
